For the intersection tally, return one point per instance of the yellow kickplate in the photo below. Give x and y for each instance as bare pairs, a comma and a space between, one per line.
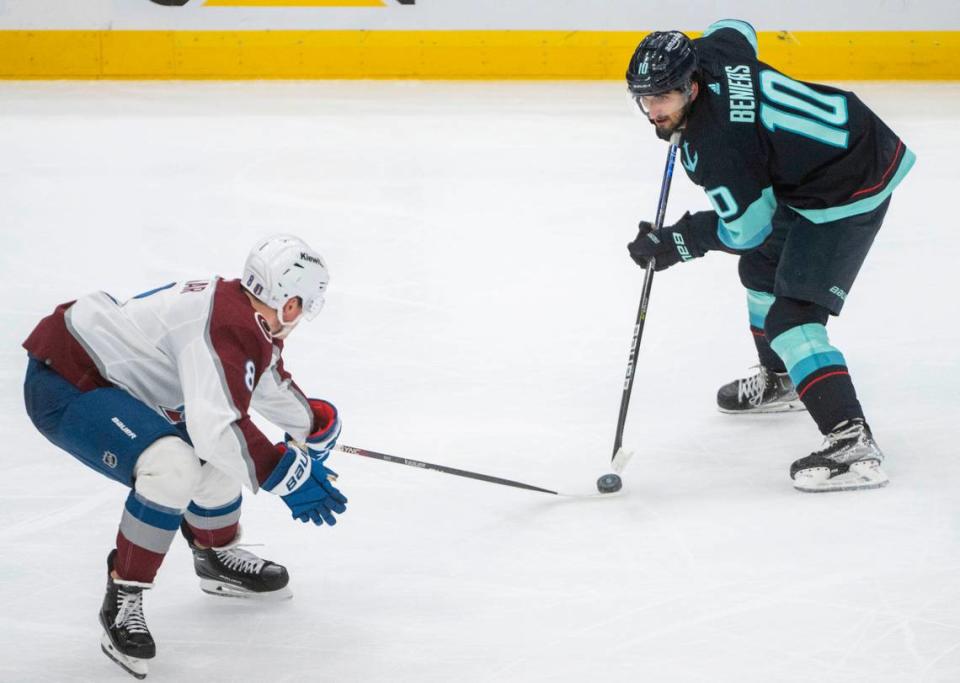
489, 55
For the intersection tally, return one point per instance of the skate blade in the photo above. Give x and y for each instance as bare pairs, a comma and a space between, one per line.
134, 666
861, 475
789, 407
226, 590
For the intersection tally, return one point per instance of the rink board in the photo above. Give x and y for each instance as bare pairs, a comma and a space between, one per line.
442, 54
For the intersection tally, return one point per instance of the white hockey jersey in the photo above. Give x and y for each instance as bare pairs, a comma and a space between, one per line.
191, 350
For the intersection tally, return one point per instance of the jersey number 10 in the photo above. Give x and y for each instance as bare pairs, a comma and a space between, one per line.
812, 114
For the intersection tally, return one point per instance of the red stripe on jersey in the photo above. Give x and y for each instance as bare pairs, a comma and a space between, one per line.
883, 178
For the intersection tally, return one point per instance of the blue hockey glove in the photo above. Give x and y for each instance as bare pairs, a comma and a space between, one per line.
306, 486
326, 426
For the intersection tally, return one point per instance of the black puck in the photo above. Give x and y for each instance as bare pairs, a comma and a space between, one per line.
609, 483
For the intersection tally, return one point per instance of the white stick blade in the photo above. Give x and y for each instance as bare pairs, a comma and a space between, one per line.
620, 460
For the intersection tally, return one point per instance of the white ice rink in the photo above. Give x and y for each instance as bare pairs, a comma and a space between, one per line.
479, 316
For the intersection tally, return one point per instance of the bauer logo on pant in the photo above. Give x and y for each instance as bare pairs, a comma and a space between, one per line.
123, 428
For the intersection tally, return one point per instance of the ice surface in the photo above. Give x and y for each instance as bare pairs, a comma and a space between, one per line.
479, 316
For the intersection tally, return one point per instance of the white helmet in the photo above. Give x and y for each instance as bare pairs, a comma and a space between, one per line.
282, 267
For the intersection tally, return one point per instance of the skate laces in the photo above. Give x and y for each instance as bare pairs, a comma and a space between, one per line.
240, 560
752, 388
845, 431
130, 611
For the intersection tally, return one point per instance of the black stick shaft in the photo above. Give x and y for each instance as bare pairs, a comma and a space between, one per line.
644, 301
442, 468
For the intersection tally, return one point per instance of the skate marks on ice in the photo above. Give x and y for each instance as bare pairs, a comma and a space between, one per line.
79, 509
707, 566
750, 631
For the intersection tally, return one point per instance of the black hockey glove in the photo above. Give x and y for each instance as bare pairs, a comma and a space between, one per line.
689, 238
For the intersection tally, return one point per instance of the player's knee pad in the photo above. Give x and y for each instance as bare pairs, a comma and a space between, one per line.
787, 313
216, 488
167, 472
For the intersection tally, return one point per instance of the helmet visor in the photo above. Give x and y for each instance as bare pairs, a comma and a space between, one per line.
664, 103
312, 307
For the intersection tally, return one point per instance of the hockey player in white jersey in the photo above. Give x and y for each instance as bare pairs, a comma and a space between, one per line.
155, 393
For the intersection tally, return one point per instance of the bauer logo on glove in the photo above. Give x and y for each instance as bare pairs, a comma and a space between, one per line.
305, 485
301, 469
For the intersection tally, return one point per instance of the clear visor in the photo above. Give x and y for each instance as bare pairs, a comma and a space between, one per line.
312, 308
665, 103
309, 310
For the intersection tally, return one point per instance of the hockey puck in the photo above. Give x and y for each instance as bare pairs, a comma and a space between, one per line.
609, 483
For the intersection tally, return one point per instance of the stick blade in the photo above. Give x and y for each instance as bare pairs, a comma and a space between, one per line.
620, 459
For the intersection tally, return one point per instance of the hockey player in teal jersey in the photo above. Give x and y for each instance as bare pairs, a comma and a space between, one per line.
799, 176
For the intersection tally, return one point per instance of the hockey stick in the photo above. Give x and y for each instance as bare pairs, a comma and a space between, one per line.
452, 470
620, 457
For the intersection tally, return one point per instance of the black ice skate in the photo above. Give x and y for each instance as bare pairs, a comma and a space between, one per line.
237, 573
126, 639
849, 459
764, 392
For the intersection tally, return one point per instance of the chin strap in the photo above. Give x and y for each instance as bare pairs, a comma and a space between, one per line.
285, 327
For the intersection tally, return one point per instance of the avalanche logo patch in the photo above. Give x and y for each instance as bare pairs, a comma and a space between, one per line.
264, 326
173, 415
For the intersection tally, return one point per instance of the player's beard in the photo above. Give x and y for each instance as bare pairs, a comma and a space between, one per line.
667, 133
